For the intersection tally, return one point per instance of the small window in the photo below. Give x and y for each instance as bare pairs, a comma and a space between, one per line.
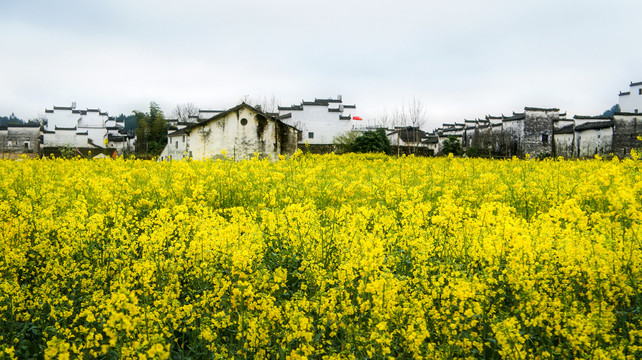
299, 136
635, 111
640, 91
310, 135
244, 121
183, 138
545, 139
170, 140
26, 145
177, 144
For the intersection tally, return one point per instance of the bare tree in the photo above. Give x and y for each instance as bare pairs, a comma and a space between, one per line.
411, 114
416, 113
183, 112
266, 105
399, 116
382, 120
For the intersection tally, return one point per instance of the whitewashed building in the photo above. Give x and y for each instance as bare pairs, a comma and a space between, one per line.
631, 101
66, 126
240, 132
319, 121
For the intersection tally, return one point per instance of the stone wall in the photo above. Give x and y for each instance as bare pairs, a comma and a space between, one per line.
627, 127
538, 131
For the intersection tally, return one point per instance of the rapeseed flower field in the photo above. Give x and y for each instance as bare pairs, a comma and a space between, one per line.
321, 257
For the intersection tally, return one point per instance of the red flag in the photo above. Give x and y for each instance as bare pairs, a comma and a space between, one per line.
357, 118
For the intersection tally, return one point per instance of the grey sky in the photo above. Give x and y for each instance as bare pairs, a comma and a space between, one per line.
462, 59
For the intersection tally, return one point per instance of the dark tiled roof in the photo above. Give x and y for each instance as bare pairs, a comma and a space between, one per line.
515, 117
83, 133
64, 128
285, 116
627, 114
566, 129
410, 134
178, 133
594, 125
349, 106
291, 108
540, 109
49, 111
623, 93
345, 117
191, 126
315, 103
582, 117
62, 108
635, 83
327, 100
23, 126
334, 110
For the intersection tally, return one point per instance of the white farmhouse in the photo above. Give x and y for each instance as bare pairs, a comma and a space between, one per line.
66, 126
240, 132
320, 121
631, 101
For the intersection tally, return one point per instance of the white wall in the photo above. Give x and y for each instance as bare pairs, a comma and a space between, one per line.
176, 148
65, 138
323, 124
65, 118
594, 141
93, 119
632, 102
239, 141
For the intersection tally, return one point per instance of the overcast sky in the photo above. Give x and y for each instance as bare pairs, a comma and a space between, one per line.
461, 59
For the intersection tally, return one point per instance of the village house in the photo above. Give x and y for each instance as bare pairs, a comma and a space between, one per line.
547, 132
410, 140
320, 121
240, 132
19, 139
593, 135
89, 129
631, 101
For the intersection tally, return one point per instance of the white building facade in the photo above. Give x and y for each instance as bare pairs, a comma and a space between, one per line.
321, 120
66, 126
631, 101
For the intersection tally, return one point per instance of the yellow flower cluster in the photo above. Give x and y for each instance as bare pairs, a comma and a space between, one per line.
321, 257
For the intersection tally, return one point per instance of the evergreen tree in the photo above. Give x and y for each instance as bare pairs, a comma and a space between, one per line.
372, 142
151, 133
615, 108
451, 146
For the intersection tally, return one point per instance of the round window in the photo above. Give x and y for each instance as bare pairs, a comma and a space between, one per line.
244, 121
